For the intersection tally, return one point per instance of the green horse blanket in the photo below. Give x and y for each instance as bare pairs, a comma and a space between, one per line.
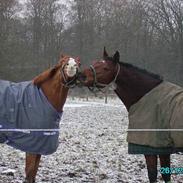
154, 114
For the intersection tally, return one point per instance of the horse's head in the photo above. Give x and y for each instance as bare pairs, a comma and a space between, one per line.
69, 69
65, 71
102, 72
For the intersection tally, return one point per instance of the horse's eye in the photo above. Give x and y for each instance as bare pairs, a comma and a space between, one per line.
106, 69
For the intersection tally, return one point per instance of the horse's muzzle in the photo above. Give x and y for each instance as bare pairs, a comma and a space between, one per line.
81, 79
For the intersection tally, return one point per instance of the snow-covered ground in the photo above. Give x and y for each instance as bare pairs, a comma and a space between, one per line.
92, 148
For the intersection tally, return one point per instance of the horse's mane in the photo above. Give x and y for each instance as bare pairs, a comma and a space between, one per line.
144, 71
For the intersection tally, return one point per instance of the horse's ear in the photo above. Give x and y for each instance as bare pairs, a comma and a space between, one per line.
38, 80
77, 59
105, 54
62, 56
116, 57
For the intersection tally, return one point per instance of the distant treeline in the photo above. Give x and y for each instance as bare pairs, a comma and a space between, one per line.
148, 33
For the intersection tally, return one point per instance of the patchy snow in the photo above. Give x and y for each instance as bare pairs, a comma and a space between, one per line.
92, 148
76, 103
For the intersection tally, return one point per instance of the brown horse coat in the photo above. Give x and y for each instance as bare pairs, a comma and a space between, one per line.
161, 108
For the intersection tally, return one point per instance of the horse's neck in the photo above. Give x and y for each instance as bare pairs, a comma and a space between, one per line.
55, 92
132, 85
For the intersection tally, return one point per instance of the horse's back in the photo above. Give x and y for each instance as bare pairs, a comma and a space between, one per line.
162, 108
24, 106
11, 95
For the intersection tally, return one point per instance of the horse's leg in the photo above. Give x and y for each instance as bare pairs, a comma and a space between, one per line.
151, 161
38, 157
165, 162
32, 164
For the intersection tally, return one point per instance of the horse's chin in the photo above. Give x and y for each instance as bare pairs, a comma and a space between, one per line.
100, 87
86, 83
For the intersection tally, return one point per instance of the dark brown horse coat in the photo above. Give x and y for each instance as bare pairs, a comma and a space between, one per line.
161, 108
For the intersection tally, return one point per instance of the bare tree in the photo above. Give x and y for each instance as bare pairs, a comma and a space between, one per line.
147, 33
8, 9
166, 16
46, 27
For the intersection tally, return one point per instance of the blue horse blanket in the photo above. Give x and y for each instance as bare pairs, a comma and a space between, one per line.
28, 121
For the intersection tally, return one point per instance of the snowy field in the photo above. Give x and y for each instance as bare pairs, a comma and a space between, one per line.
92, 148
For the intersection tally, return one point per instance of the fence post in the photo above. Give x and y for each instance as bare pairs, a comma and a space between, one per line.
106, 98
87, 97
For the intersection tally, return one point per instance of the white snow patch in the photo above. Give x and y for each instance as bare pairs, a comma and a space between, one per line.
9, 171
92, 148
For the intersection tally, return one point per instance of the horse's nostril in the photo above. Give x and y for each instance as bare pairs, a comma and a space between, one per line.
82, 77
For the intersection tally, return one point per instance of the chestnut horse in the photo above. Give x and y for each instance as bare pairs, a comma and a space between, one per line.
51, 89
132, 84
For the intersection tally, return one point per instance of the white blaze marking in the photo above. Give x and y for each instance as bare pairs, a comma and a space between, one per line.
71, 68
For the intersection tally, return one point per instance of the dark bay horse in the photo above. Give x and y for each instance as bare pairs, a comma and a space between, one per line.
30, 112
133, 84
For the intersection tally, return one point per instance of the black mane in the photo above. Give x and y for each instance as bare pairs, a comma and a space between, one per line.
144, 71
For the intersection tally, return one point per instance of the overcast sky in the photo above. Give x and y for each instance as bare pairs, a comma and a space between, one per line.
24, 1
62, 1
